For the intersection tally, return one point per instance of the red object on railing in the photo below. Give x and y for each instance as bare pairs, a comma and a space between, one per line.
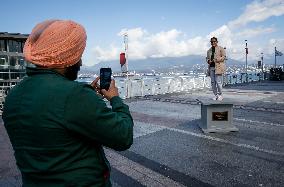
122, 59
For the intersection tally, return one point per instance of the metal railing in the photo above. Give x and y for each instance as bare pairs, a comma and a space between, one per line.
5, 86
162, 85
155, 85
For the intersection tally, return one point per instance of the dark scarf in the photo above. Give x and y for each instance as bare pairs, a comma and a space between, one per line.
212, 57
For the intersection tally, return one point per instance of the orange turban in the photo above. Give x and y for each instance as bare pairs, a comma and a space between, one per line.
55, 44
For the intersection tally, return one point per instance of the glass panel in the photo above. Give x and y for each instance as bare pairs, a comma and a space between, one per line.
3, 45
3, 62
22, 62
11, 47
22, 46
17, 46
4, 74
13, 61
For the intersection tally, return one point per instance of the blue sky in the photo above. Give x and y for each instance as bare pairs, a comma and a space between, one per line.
159, 28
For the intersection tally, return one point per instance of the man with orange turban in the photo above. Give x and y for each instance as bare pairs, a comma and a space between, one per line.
57, 126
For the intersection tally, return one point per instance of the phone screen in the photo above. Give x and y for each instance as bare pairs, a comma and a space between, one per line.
105, 78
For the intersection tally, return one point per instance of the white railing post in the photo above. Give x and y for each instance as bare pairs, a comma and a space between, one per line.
153, 88
181, 84
127, 88
169, 86
142, 87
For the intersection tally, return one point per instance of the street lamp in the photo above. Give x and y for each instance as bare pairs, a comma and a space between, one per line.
226, 54
246, 61
262, 65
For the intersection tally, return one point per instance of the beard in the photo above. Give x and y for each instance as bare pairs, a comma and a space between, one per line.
71, 72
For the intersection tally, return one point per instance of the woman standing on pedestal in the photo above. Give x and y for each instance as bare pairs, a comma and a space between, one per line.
216, 67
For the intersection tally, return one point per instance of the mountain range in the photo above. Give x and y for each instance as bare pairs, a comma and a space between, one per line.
164, 64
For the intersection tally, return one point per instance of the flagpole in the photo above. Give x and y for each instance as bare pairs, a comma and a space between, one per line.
246, 61
125, 37
126, 52
275, 57
262, 66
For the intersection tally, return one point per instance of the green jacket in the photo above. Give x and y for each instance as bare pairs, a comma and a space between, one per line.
57, 128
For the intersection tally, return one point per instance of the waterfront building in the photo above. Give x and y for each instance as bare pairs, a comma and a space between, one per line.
12, 63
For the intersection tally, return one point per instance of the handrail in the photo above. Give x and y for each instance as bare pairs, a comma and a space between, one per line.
162, 85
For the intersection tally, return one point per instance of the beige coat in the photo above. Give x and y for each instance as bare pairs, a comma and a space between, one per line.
219, 59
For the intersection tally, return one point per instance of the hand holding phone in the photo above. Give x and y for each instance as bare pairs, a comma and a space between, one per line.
105, 78
111, 92
107, 87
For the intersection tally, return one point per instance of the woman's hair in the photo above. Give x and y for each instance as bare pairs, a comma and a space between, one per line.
214, 39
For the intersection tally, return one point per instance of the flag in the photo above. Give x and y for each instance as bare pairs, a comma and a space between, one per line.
278, 53
123, 62
122, 59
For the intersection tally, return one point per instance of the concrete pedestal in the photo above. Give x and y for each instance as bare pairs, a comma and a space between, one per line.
217, 116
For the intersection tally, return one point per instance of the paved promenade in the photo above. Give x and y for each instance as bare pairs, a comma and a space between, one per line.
171, 150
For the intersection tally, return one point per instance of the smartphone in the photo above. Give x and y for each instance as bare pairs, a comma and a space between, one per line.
105, 78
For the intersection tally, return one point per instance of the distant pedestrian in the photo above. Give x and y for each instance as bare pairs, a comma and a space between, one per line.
216, 67
57, 126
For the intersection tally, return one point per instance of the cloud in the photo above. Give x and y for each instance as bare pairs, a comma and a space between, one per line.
105, 55
279, 43
136, 33
142, 44
224, 35
165, 44
247, 33
258, 11
136, 46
